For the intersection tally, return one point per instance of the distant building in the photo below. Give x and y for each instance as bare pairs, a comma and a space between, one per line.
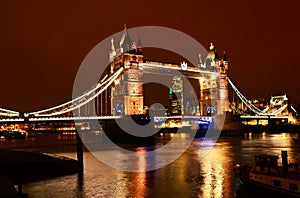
176, 96
260, 103
277, 103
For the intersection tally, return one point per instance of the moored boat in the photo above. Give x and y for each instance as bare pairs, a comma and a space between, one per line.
268, 174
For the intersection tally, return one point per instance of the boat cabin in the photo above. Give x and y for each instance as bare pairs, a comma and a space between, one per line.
267, 173
266, 163
269, 163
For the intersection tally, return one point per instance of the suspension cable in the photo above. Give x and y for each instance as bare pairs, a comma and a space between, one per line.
77, 102
252, 107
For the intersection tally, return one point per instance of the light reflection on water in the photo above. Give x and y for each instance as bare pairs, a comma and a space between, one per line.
191, 175
213, 167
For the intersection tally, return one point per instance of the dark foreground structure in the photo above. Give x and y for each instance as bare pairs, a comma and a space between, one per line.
19, 167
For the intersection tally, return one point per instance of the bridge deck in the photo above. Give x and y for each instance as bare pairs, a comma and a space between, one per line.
264, 117
49, 119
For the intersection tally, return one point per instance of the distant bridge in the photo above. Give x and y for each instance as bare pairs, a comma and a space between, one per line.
276, 111
263, 117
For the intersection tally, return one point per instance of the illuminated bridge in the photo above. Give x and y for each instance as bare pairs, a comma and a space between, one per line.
84, 107
121, 92
258, 113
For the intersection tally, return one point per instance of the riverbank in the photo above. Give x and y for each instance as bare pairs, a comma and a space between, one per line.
273, 128
20, 167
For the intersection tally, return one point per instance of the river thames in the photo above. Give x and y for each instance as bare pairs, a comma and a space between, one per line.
191, 175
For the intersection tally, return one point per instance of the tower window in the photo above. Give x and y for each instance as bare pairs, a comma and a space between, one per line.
293, 187
276, 183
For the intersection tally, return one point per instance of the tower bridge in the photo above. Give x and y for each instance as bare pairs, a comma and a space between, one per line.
127, 96
121, 92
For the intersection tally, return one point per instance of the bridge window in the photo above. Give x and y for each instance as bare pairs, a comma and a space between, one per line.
276, 183
293, 187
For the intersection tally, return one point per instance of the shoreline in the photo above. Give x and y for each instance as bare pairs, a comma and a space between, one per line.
23, 167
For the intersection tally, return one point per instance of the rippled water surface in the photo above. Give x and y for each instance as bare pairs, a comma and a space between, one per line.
191, 175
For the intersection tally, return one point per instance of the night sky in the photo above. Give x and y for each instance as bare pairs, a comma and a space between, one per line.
44, 42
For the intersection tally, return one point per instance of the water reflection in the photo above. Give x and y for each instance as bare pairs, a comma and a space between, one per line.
139, 178
215, 167
204, 170
121, 189
274, 142
67, 136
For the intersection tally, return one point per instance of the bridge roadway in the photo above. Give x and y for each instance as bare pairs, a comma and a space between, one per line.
189, 72
263, 117
51, 119
86, 118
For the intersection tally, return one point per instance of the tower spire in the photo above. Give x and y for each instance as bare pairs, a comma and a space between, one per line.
112, 45
211, 47
224, 56
112, 53
216, 55
200, 63
139, 45
125, 42
200, 59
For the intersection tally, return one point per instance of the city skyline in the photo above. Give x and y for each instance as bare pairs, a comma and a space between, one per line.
44, 43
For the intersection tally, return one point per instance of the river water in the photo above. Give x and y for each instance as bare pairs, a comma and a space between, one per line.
191, 175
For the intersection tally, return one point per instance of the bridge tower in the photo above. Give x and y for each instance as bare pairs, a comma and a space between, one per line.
277, 102
223, 98
127, 94
214, 89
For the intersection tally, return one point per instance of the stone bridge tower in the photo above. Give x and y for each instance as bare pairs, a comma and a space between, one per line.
214, 89
127, 94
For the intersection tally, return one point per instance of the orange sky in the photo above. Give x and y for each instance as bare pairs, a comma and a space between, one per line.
43, 42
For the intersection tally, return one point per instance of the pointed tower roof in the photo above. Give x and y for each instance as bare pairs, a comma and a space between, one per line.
128, 40
207, 62
112, 49
139, 46
216, 55
211, 52
112, 45
224, 56
211, 47
125, 41
200, 59
139, 43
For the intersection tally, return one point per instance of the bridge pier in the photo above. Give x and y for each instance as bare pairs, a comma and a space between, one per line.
79, 151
